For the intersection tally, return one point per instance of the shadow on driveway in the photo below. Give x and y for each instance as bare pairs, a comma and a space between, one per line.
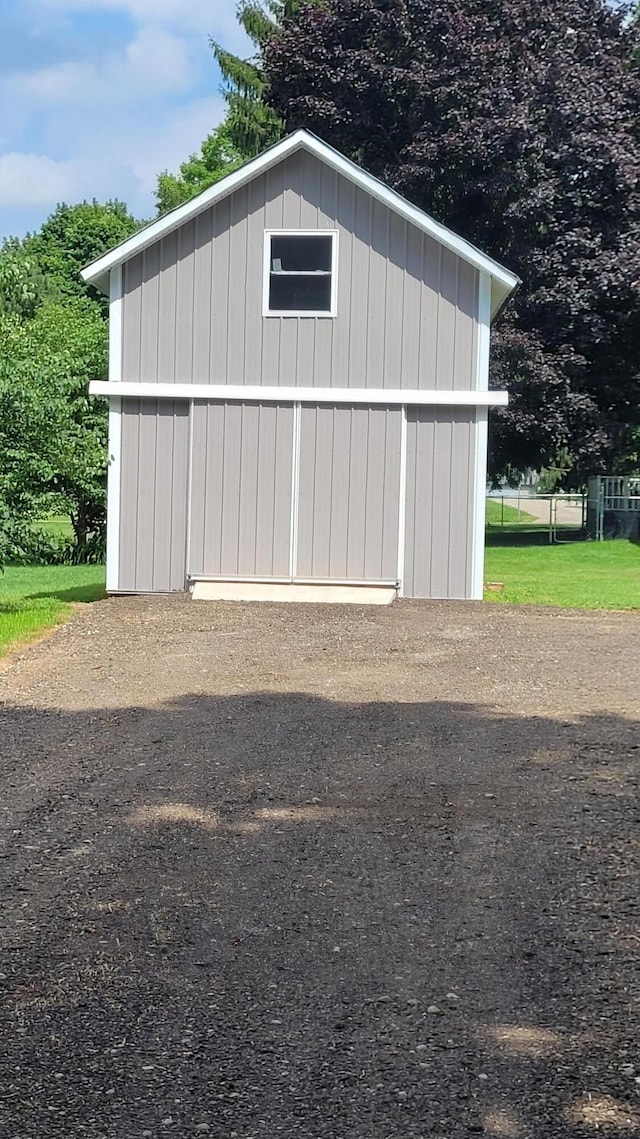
270, 915
85, 593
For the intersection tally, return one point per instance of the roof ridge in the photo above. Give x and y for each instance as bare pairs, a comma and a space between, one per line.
98, 270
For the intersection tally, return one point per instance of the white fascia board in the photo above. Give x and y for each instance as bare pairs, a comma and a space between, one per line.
302, 140
483, 332
175, 218
401, 206
230, 393
115, 326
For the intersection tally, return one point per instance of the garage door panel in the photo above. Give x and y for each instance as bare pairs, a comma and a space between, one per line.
349, 493
153, 495
274, 489
440, 502
383, 493
241, 523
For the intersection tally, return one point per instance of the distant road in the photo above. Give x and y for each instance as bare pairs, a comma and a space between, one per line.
567, 513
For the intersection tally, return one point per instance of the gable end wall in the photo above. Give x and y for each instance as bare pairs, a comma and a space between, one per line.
192, 303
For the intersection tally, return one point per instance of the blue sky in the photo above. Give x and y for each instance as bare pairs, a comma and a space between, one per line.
98, 96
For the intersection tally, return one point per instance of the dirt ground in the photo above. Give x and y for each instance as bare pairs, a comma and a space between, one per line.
321, 872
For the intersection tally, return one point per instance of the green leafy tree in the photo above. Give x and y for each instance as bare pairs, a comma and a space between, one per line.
516, 124
217, 156
22, 286
53, 341
24, 430
71, 238
53, 436
71, 341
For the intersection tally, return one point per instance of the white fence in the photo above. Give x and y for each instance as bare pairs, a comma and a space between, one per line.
613, 509
562, 516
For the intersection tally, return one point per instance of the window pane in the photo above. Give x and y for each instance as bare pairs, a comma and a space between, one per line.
301, 254
299, 294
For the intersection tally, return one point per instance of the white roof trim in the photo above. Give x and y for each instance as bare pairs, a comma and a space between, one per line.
302, 140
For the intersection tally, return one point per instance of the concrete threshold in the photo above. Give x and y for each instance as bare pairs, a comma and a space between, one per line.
319, 594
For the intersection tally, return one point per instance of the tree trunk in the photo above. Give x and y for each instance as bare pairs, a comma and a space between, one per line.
80, 525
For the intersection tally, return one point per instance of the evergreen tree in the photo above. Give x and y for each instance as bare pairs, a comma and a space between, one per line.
252, 124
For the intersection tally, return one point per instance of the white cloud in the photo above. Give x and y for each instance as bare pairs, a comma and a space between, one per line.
55, 84
188, 11
174, 139
35, 179
155, 61
158, 60
110, 162
215, 17
104, 124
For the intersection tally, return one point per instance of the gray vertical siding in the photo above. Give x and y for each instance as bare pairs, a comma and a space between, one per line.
153, 495
241, 484
241, 490
349, 493
440, 502
407, 307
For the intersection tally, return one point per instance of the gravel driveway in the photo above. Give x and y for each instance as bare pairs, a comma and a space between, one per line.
321, 872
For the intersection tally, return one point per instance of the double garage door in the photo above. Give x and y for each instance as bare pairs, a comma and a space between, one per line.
295, 493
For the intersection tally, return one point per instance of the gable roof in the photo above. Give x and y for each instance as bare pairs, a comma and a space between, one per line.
503, 282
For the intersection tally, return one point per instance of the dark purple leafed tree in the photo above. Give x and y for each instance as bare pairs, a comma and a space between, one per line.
514, 122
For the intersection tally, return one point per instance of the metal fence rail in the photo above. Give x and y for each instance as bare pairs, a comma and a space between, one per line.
613, 508
620, 492
610, 509
560, 515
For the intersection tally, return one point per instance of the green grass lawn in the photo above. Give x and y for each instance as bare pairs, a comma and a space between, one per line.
56, 524
583, 575
499, 513
35, 598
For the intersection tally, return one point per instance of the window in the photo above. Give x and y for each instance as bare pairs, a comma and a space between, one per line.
300, 273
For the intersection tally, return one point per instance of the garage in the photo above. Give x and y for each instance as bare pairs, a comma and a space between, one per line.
298, 391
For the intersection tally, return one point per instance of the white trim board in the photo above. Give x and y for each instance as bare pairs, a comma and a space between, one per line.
481, 439
295, 489
321, 314
240, 393
187, 554
115, 431
402, 504
481, 442
387, 583
113, 495
483, 333
503, 281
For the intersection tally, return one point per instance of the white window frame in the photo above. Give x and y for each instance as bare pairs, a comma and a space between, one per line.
268, 235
